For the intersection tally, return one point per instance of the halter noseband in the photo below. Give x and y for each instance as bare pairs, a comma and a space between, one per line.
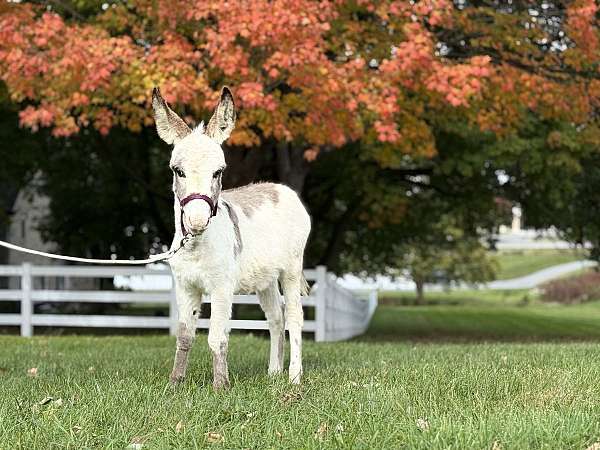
189, 198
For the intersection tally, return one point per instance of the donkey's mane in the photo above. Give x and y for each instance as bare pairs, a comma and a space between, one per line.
200, 128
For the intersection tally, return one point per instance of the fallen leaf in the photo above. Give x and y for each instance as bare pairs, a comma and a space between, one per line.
46, 400
137, 442
498, 446
58, 402
290, 397
594, 446
339, 428
135, 446
213, 437
179, 427
321, 431
33, 372
422, 424
76, 429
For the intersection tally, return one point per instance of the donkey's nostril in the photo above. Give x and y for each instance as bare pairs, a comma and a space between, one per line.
196, 226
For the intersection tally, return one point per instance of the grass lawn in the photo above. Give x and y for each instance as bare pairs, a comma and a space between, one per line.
518, 263
462, 297
484, 315
423, 378
113, 393
476, 322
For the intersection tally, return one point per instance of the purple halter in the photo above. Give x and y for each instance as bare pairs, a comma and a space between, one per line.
189, 198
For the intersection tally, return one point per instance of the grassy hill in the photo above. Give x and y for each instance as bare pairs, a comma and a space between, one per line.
518, 263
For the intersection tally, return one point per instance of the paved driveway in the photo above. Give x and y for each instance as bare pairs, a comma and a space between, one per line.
536, 278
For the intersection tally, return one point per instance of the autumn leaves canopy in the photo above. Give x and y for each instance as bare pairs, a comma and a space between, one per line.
321, 73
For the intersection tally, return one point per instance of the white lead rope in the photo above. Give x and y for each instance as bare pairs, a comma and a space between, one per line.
117, 262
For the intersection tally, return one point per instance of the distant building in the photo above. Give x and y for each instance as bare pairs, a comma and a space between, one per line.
516, 224
29, 209
517, 213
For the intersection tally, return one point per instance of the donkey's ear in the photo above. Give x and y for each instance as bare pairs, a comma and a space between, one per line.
222, 122
171, 128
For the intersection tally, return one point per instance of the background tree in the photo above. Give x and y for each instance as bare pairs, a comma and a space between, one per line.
412, 100
444, 256
19, 161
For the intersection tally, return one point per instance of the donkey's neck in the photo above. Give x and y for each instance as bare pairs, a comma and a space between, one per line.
178, 231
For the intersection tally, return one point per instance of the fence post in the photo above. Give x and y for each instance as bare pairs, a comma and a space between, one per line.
320, 305
26, 304
173, 314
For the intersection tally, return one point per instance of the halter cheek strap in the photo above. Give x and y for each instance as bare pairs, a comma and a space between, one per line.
189, 198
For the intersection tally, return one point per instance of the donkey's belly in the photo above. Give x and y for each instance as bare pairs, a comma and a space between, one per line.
256, 280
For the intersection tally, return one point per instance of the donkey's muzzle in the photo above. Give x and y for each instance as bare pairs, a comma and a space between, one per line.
196, 225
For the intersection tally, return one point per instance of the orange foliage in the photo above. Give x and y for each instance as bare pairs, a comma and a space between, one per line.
303, 71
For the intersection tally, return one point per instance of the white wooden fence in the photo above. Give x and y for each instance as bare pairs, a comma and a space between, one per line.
339, 314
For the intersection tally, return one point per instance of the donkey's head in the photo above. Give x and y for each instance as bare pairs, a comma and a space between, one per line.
197, 161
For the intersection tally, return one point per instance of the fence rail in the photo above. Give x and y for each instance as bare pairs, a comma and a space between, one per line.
338, 313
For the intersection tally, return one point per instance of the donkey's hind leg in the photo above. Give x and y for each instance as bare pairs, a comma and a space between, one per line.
270, 302
292, 283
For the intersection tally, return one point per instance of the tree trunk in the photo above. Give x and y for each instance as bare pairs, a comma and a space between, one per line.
243, 165
292, 167
7, 201
330, 256
420, 291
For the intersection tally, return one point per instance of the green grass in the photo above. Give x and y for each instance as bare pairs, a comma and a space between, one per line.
356, 395
470, 323
476, 367
464, 297
483, 315
513, 264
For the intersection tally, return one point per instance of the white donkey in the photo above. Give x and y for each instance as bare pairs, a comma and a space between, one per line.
244, 240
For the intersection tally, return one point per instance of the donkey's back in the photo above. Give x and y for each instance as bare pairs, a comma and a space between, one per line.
271, 226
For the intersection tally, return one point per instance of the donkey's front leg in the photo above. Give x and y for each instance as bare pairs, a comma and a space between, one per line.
188, 302
218, 335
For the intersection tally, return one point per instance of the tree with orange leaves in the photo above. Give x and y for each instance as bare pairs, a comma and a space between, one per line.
306, 74
313, 74
393, 79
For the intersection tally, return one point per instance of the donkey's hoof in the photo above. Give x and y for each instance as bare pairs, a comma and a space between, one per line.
275, 371
221, 384
176, 379
295, 375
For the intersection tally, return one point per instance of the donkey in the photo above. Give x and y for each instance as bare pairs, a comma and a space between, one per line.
240, 240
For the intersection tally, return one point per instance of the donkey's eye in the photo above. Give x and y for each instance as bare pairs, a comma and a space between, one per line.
218, 173
180, 173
